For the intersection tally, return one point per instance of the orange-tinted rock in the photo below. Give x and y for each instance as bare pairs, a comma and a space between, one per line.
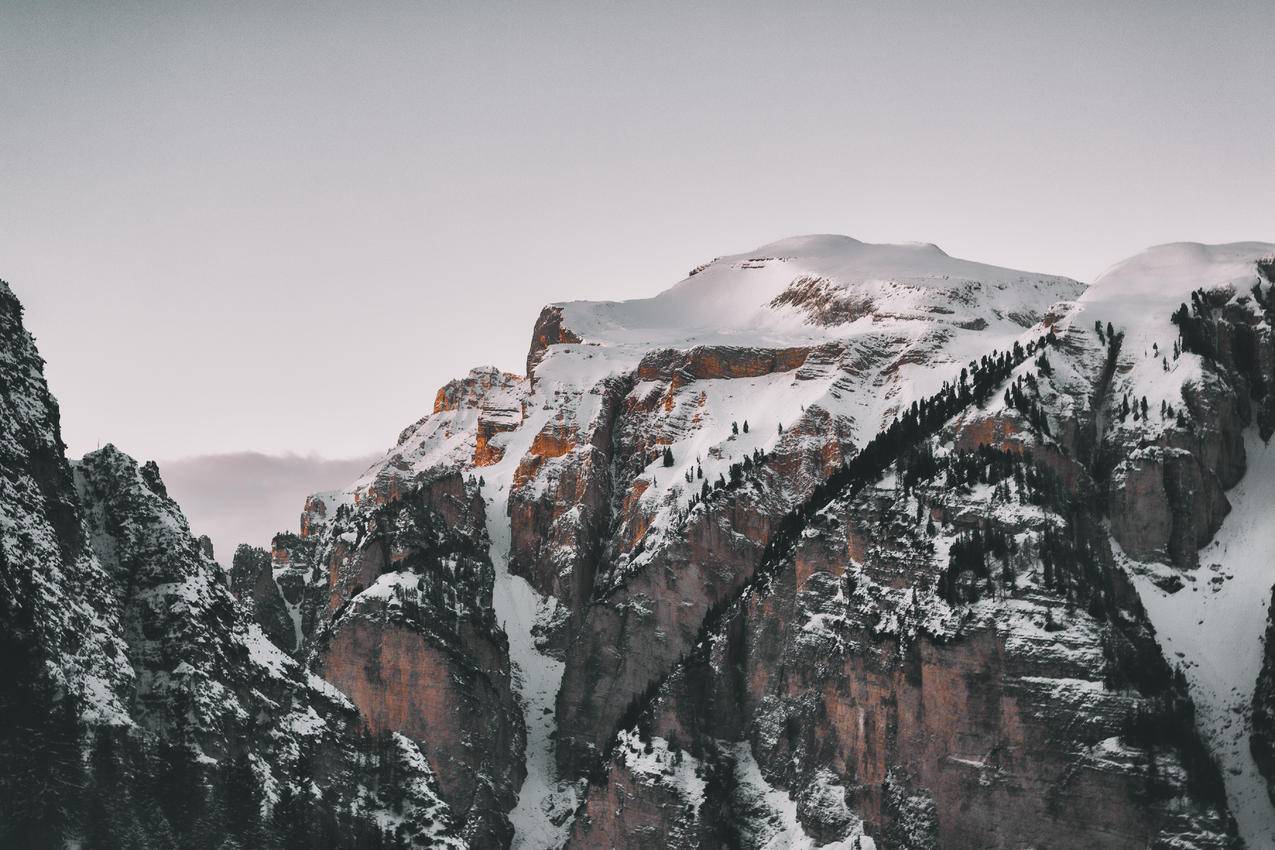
313, 516
401, 682
717, 361
998, 432
472, 390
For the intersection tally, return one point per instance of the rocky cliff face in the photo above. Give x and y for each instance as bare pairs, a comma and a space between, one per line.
956, 654
832, 544
138, 681
949, 657
410, 635
1263, 740
388, 590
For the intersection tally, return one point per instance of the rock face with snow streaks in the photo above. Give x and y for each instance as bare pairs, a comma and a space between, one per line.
831, 544
410, 635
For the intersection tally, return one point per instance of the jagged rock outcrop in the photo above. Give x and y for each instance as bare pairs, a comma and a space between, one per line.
410, 636
252, 581
548, 331
560, 503
139, 682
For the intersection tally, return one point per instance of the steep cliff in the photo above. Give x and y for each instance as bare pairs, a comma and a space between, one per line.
142, 706
830, 544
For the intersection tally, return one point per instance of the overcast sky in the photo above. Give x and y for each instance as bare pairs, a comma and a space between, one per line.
249, 227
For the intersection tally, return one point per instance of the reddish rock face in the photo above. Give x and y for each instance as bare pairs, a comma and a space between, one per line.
560, 500
707, 362
409, 634
401, 683
314, 516
637, 812
998, 432
1004, 727
646, 619
472, 390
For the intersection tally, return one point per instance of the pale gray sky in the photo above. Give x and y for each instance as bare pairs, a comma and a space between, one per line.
280, 227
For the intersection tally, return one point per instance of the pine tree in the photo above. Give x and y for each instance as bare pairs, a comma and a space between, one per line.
41, 778
289, 821
668, 456
240, 799
105, 804
745, 426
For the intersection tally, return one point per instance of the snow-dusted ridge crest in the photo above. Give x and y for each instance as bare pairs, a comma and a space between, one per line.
739, 299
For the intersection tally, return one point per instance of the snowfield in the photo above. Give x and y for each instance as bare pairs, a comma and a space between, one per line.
1213, 627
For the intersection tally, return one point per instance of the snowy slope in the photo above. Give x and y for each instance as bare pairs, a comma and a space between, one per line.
1138, 295
1213, 627
921, 315
543, 799
770, 814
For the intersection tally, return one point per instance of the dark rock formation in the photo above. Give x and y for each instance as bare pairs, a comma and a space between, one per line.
141, 684
1262, 742
252, 581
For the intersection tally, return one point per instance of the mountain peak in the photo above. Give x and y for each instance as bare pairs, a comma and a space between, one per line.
809, 289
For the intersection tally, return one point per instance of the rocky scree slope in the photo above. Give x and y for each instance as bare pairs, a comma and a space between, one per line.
953, 681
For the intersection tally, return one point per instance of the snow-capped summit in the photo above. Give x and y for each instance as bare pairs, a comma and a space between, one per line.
1155, 281
808, 289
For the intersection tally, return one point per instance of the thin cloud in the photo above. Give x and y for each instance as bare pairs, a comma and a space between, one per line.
247, 497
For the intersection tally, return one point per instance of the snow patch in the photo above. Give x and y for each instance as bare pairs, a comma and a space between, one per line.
1214, 630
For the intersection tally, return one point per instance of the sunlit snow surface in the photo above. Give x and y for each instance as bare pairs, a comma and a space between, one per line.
1215, 630
730, 300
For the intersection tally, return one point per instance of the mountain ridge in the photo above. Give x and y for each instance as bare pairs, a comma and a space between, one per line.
897, 556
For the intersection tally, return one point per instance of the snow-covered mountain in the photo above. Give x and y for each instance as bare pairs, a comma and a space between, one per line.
830, 544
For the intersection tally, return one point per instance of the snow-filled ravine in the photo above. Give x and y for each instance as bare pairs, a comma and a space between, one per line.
1214, 626
537, 677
